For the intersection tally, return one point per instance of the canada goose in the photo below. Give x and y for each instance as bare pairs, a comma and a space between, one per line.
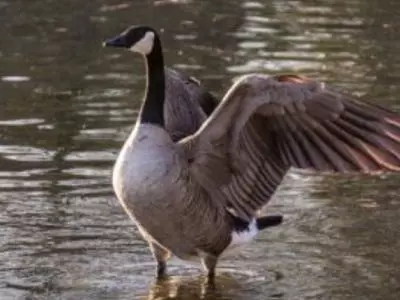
199, 196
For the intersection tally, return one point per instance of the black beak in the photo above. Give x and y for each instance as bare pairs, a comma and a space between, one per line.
118, 41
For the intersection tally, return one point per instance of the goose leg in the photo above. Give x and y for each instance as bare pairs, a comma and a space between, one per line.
209, 263
161, 255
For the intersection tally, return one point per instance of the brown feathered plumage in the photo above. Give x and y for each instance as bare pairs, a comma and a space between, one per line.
265, 125
187, 104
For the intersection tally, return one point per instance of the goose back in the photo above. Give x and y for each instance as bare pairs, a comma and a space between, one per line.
187, 104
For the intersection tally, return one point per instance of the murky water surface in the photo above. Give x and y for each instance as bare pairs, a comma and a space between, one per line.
67, 105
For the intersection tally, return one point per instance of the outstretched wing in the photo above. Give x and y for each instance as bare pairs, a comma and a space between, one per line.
265, 125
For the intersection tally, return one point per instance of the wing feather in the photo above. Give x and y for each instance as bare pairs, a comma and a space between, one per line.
265, 125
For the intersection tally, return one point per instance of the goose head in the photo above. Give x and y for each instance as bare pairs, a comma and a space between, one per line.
139, 39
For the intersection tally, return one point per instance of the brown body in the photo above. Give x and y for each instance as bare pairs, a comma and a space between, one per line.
154, 186
171, 218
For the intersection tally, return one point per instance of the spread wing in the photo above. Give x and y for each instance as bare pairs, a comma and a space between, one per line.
265, 125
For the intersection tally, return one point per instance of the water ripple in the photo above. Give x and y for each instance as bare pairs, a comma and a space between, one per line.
68, 105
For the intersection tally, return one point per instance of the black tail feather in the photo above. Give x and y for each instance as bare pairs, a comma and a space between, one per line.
268, 221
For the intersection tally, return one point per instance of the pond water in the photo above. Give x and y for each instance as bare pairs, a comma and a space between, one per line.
67, 105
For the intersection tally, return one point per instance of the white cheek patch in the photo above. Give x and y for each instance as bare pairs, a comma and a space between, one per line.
145, 45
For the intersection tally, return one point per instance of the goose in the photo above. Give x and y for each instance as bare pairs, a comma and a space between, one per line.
200, 196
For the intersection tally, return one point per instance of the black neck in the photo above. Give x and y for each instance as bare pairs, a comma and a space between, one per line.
152, 111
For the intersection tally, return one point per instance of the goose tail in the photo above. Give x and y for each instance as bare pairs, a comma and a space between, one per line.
268, 221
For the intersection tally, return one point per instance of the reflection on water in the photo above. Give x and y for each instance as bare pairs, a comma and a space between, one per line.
226, 287
67, 105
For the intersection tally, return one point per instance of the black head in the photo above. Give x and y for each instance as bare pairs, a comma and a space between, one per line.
136, 38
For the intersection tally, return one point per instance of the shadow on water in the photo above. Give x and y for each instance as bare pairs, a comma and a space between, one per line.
67, 105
